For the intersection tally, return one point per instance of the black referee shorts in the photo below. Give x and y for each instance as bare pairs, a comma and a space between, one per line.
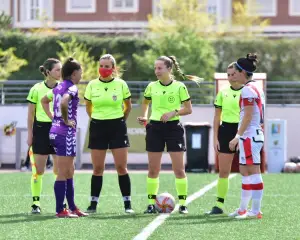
227, 132
159, 135
41, 141
108, 134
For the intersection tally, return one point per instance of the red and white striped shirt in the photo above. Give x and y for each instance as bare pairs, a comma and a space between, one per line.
251, 95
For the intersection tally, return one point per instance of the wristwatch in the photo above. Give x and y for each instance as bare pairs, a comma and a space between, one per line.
177, 112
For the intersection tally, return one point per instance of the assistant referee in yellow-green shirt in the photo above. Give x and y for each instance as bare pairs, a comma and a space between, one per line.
39, 124
226, 120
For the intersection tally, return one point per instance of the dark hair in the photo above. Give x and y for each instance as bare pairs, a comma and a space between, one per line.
171, 62
248, 64
69, 66
48, 65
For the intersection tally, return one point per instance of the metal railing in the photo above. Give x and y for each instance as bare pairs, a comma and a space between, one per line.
283, 92
279, 92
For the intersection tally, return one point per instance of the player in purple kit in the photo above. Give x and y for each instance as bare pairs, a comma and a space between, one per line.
63, 135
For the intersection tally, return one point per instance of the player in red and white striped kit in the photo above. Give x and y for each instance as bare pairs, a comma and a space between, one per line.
250, 139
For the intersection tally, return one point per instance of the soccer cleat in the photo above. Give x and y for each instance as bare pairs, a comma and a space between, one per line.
242, 216
35, 209
25, 169
129, 210
251, 214
91, 209
127, 206
66, 214
79, 213
150, 209
215, 211
238, 213
183, 210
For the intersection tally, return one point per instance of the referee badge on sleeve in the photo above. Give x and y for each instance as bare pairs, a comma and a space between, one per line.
114, 97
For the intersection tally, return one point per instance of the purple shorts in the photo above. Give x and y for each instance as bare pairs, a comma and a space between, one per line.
63, 145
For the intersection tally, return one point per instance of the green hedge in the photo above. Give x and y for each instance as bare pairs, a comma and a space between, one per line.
37, 49
279, 58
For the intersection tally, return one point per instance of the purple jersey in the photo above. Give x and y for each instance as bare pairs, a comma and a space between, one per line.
63, 137
58, 125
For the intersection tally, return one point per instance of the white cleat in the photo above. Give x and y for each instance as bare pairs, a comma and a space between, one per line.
129, 211
251, 214
242, 215
238, 213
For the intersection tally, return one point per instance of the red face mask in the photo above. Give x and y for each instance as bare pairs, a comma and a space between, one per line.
105, 72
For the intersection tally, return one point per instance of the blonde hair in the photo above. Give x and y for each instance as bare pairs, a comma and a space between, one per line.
113, 61
171, 62
231, 65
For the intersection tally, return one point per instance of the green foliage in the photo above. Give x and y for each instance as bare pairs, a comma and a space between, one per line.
279, 58
81, 53
9, 63
178, 16
35, 49
195, 55
5, 21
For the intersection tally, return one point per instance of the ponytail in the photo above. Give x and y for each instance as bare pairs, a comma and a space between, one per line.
181, 75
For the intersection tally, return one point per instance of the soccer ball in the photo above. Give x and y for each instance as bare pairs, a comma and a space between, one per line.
290, 167
165, 203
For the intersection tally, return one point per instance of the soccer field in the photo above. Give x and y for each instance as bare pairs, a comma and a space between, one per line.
280, 210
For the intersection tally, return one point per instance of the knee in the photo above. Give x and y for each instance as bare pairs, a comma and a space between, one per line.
223, 174
98, 170
70, 173
179, 173
153, 173
62, 173
122, 170
244, 174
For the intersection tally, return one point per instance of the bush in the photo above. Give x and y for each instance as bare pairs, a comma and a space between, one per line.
195, 55
37, 49
278, 58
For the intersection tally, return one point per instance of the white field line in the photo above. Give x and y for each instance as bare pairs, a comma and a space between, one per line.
151, 227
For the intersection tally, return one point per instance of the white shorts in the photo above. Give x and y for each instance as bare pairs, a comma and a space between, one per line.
250, 150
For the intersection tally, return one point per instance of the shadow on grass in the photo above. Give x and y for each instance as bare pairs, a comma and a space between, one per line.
121, 216
204, 219
24, 217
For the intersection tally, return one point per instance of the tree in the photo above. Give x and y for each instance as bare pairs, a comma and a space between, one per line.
178, 15
245, 24
9, 62
5, 21
82, 54
195, 55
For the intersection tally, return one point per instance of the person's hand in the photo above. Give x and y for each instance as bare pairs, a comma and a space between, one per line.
216, 145
233, 143
29, 139
71, 123
164, 118
142, 120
